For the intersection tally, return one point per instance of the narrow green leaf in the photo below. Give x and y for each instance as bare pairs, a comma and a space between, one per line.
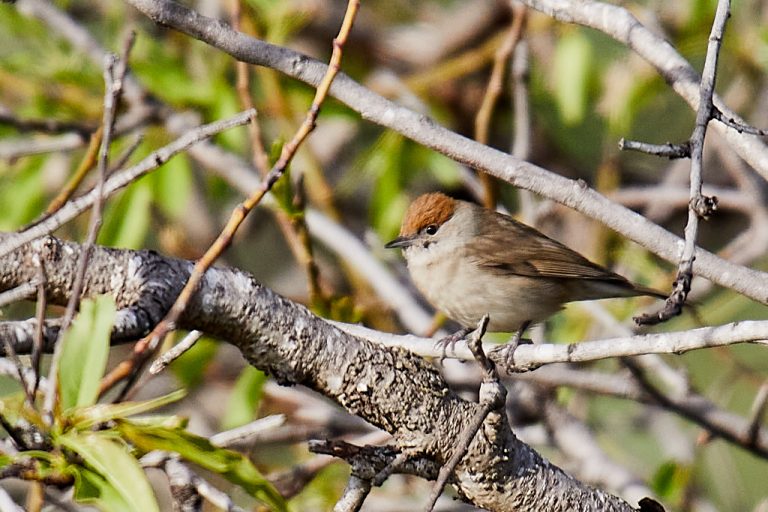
21, 194
388, 201
84, 355
127, 220
5, 460
445, 170
573, 60
112, 461
92, 489
663, 480
170, 421
230, 464
172, 186
86, 417
670, 481
244, 398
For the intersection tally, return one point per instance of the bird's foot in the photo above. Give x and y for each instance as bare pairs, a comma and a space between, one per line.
508, 351
451, 340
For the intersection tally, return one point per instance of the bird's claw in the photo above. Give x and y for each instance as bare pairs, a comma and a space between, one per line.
450, 341
508, 350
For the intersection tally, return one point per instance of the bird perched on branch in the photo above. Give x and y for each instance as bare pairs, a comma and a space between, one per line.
470, 261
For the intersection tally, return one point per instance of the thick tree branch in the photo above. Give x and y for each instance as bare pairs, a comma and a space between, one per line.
389, 387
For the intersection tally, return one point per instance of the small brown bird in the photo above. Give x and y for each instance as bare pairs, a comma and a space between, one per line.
469, 261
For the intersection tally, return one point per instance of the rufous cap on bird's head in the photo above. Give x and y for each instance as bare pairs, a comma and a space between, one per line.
427, 212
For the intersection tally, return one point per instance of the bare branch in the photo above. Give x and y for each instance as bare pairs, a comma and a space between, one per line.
389, 387
45, 125
353, 496
668, 150
21, 292
75, 207
421, 129
618, 23
532, 356
699, 206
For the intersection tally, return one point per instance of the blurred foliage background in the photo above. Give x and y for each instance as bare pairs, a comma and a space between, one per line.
585, 93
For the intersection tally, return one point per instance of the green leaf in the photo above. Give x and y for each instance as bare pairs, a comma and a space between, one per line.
670, 481
283, 192
126, 221
244, 399
87, 417
573, 61
445, 170
5, 460
84, 355
21, 193
170, 421
231, 465
172, 186
387, 164
92, 489
122, 484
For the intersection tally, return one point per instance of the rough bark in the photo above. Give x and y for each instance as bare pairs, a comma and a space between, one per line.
391, 388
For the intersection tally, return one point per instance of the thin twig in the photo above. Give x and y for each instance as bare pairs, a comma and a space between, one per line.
12, 149
532, 356
21, 292
668, 150
147, 345
293, 227
492, 397
521, 146
170, 355
678, 197
304, 251
10, 353
756, 413
355, 492
740, 127
122, 159
492, 93
86, 164
259, 155
520, 76
121, 179
45, 125
447, 71
181, 479
700, 206
689, 407
115, 69
245, 433
37, 347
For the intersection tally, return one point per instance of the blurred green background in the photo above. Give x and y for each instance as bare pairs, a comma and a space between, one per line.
586, 92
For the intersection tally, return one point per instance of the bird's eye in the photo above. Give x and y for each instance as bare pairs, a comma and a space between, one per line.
431, 229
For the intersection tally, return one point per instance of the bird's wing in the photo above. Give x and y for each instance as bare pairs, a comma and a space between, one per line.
530, 253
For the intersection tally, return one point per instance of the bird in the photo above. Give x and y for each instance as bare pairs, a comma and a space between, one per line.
469, 261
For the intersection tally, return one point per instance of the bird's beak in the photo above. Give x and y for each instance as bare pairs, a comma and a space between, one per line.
401, 241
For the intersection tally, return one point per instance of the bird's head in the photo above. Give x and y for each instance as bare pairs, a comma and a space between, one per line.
425, 221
